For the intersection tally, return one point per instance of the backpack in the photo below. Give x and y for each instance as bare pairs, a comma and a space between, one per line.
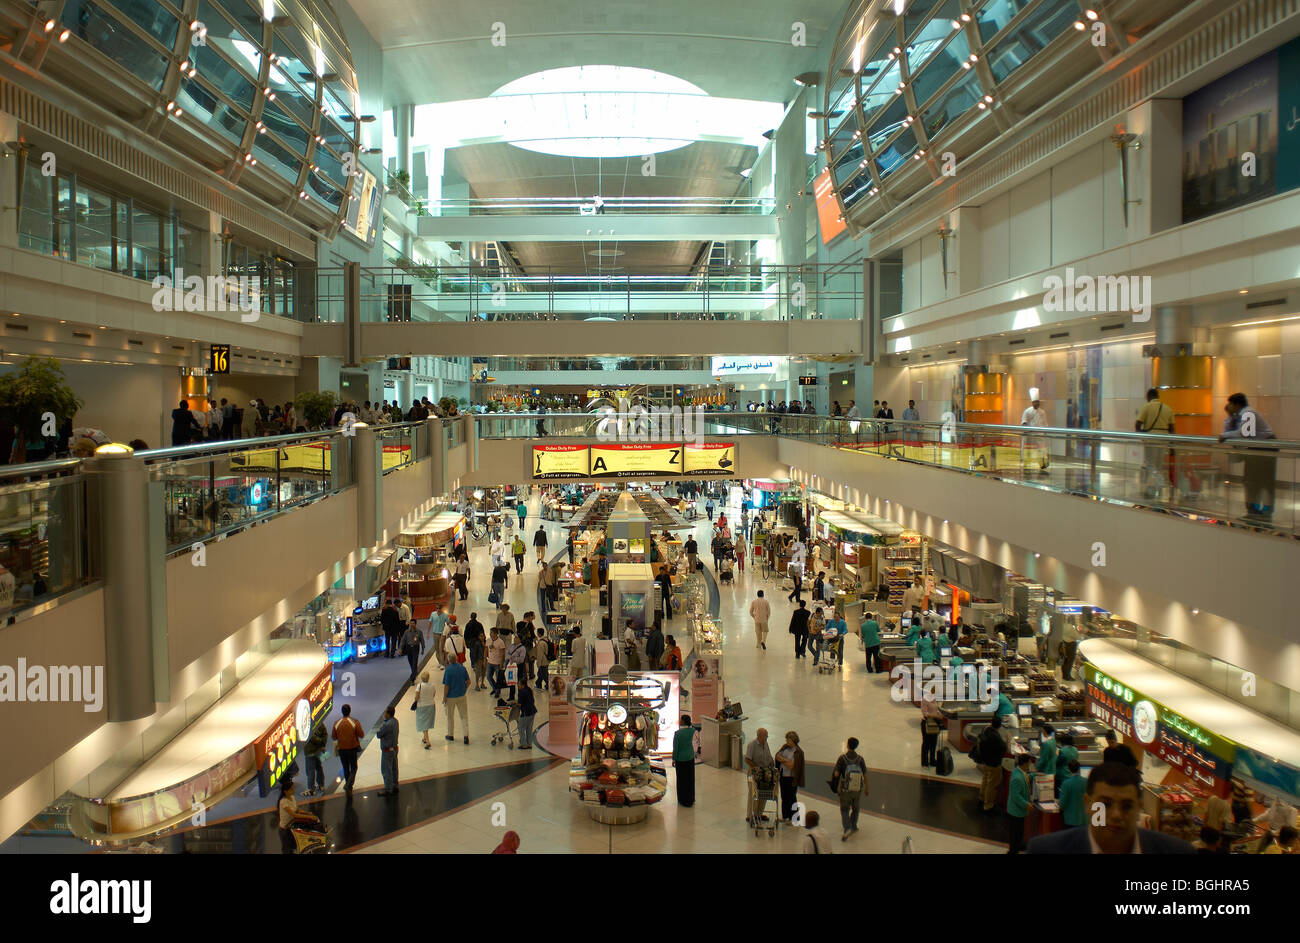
852, 779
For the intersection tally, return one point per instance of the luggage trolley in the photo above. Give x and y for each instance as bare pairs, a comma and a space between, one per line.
829, 659
767, 809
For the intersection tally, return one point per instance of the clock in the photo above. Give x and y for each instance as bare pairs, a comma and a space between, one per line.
617, 713
1144, 721
302, 720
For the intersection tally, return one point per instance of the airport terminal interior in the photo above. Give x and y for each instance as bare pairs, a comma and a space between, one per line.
799, 426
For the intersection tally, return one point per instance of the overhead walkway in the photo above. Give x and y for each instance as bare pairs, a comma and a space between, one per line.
640, 219
459, 311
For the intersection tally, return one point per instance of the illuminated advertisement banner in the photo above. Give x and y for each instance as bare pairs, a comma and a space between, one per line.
712, 458
559, 461
828, 208
140, 813
628, 460
278, 747
1188, 747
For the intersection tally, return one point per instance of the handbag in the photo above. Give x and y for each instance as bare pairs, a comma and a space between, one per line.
932, 725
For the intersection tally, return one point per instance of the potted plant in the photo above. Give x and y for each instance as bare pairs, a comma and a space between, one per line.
317, 409
33, 395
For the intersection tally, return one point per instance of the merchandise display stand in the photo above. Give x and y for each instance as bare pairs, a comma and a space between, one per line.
614, 779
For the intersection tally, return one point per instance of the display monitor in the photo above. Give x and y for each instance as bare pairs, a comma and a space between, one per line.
906, 622
371, 603
945, 653
1025, 710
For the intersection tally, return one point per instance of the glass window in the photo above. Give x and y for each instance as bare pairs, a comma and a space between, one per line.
158, 22
996, 14
93, 24
101, 229
151, 243
199, 100
1030, 36
324, 191
931, 39
189, 248
276, 156
36, 220
951, 104
330, 166
64, 212
900, 149
335, 136
224, 77
288, 130
941, 67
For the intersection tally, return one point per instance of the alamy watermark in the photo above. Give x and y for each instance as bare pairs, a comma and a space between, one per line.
214, 293
79, 896
1129, 294
955, 683
631, 423
63, 683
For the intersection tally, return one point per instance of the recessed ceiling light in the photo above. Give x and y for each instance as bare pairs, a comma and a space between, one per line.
1244, 291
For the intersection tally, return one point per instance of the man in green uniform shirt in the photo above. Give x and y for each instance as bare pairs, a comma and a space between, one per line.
1072, 789
1048, 751
871, 639
684, 761
1018, 803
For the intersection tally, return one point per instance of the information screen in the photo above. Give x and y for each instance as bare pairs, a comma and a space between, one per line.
559, 461
628, 460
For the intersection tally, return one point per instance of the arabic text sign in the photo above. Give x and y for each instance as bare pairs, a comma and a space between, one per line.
626, 460
711, 458
1110, 700
734, 366
559, 461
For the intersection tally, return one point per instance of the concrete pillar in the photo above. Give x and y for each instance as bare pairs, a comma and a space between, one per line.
1173, 325
126, 562
10, 163
438, 456
404, 127
369, 475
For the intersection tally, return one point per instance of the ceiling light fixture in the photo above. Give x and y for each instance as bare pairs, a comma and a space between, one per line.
49, 25
63, 36
1090, 14
1079, 25
965, 17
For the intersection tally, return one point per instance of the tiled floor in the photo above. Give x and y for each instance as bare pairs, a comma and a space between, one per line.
777, 692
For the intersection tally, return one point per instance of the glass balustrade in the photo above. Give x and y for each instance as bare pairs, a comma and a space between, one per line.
1240, 482
418, 292
613, 206
43, 536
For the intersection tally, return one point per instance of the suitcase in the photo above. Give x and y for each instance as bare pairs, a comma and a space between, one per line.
943, 762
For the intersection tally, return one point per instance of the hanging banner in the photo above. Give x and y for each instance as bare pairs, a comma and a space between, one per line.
628, 460
559, 461
712, 458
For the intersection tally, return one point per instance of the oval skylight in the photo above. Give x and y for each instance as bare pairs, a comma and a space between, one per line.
618, 111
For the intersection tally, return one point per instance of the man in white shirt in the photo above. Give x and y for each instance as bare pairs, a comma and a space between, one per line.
911, 414
213, 420
913, 595
498, 551
760, 610
1036, 416
404, 613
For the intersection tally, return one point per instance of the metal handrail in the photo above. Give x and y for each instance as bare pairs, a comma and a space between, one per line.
830, 423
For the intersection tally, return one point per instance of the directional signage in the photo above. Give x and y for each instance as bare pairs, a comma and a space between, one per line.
220, 359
